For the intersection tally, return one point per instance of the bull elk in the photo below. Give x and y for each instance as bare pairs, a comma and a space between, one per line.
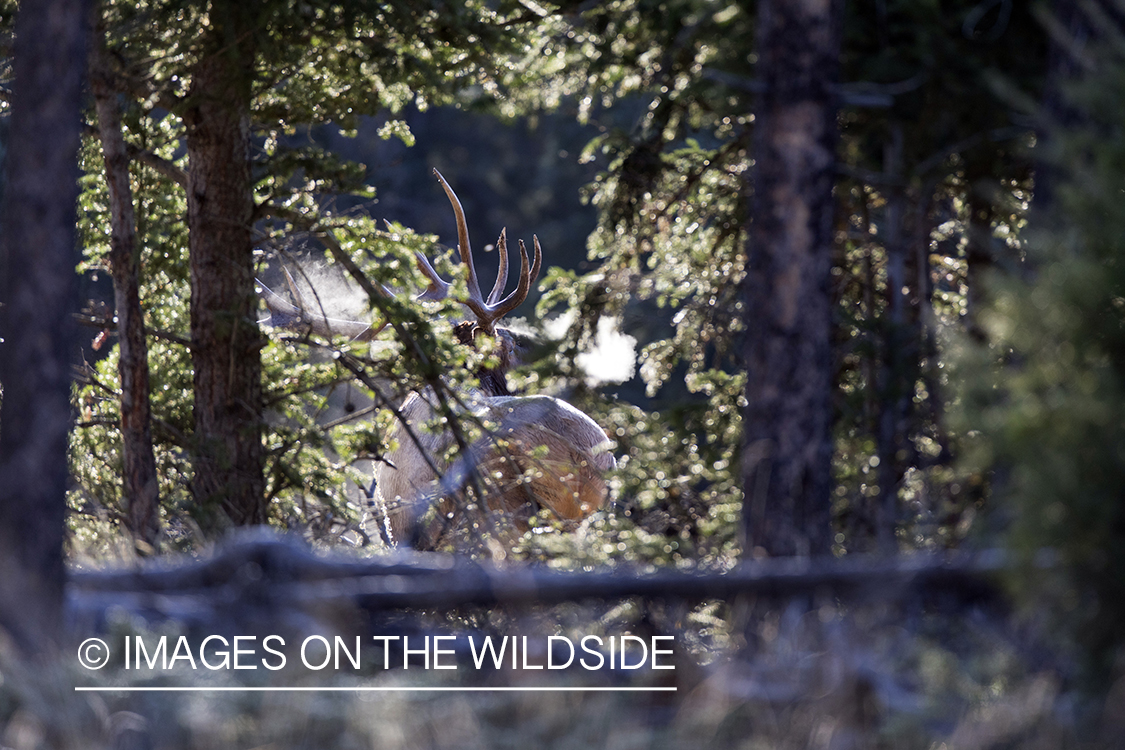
536, 452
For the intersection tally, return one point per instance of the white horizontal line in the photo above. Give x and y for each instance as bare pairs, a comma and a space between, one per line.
406, 689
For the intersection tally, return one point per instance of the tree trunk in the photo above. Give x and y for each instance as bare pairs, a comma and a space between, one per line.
787, 449
892, 381
979, 244
141, 490
228, 485
39, 294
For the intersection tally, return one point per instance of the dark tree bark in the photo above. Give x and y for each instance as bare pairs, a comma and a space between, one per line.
889, 383
142, 494
906, 339
39, 294
228, 485
979, 245
895, 380
787, 450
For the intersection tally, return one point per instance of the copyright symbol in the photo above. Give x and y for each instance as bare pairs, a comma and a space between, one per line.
93, 653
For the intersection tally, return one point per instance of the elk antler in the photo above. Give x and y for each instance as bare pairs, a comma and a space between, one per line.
300, 316
489, 311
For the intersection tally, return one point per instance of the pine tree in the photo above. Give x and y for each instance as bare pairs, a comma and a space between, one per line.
37, 301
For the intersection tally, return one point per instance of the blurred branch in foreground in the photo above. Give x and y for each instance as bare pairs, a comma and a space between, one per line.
274, 573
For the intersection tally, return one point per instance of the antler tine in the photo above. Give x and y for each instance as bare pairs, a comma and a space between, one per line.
463, 246
439, 287
519, 294
502, 273
538, 258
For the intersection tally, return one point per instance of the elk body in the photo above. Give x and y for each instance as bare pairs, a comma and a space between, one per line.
535, 452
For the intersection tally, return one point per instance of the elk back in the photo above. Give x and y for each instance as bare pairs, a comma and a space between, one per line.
541, 453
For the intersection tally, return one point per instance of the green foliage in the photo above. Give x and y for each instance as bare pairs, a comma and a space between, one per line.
1049, 416
669, 249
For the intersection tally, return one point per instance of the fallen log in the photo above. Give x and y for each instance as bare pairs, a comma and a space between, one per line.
264, 573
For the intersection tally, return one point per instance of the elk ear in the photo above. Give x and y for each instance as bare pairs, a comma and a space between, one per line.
527, 348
